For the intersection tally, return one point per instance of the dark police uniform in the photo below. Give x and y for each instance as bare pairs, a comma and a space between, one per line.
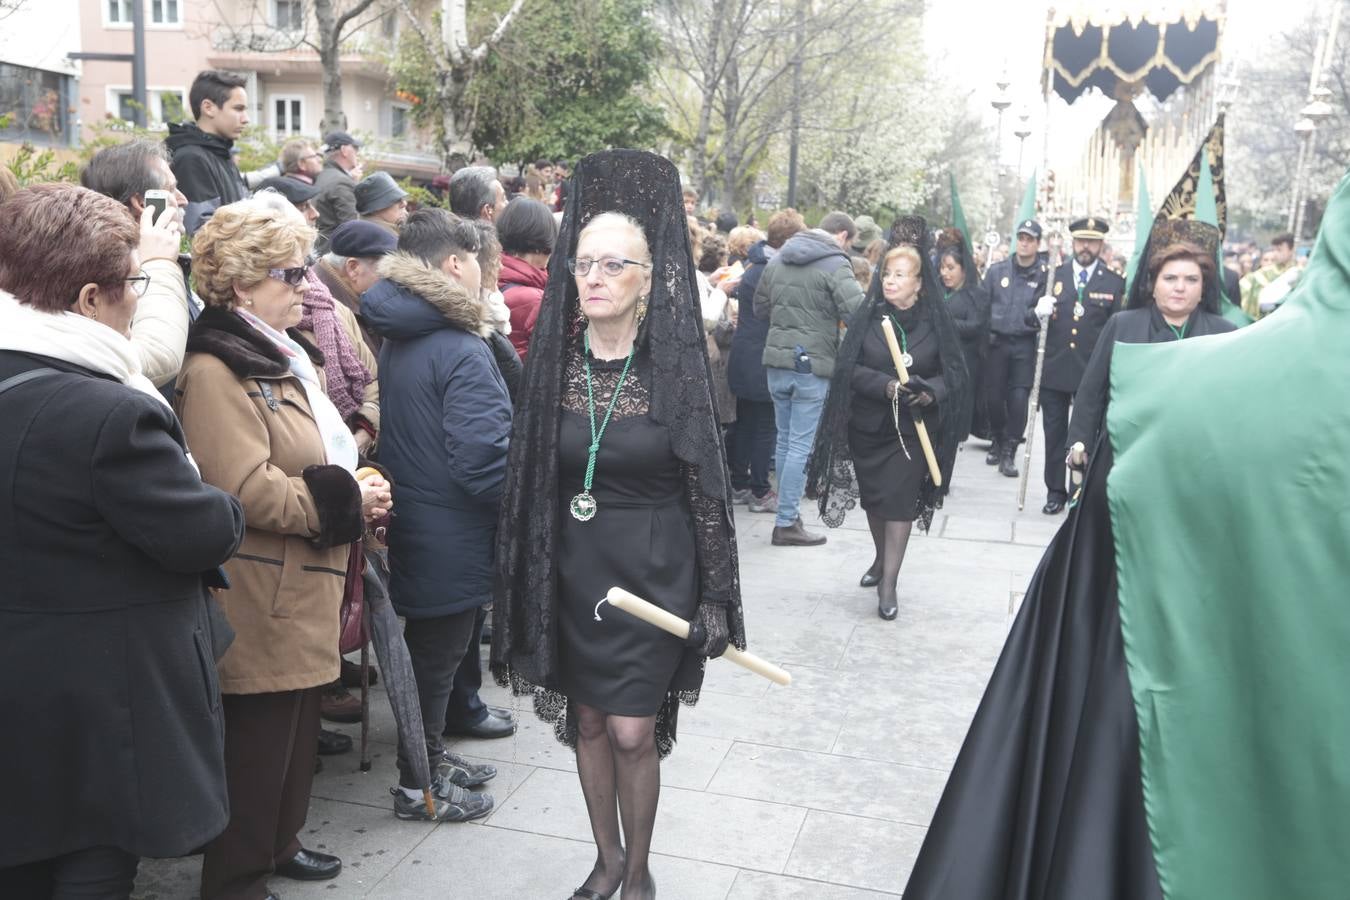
1081, 312
1011, 365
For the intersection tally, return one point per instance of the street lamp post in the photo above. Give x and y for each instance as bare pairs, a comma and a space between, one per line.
1022, 132
1314, 114
1000, 103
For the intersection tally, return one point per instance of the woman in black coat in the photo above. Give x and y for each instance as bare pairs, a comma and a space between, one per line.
1182, 303
108, 539
968, 305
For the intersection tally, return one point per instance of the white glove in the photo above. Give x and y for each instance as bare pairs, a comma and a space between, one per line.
1077, 458
1044, 307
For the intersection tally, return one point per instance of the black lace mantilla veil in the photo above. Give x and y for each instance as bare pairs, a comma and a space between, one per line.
1171, 231
829, 472
525, 631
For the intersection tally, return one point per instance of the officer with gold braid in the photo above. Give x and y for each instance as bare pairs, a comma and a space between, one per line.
1084, 294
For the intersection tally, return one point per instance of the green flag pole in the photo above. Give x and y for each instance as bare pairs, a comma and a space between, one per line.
1143, 223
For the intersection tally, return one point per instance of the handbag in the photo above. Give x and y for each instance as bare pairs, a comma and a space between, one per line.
352, 633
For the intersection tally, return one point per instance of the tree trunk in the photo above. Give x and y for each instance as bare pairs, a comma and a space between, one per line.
733, 152
329, 46
713, 43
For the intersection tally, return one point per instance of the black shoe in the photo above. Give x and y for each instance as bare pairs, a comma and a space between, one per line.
350, 674
795, 535
310, 865
1053, 507
991, 458
492, 726
888, 606
872, 577
1006, 465
331, 743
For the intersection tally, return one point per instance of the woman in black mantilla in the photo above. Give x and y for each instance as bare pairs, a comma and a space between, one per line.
1178, 299
869, 423
969, 308
616, 478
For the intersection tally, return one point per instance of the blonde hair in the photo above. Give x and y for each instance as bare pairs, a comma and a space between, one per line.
902, 251
239, 243
742, 239
620, 220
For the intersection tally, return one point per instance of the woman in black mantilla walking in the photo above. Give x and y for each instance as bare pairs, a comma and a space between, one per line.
869, 426
616, 478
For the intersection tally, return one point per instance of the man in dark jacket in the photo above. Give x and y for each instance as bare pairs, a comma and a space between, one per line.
201, 150
446, 423
1013, 285
1084, 296
752, 440
336, 182
805, 293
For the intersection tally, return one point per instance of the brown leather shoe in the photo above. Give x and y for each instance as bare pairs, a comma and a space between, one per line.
795, 535
337, 704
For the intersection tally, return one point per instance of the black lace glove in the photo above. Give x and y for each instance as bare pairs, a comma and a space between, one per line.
917, 392
708, 631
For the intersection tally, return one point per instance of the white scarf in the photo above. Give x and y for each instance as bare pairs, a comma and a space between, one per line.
339, 445
72, 338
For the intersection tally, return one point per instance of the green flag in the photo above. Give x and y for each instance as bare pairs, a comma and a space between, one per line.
1028, 208
959, 221
1143, 222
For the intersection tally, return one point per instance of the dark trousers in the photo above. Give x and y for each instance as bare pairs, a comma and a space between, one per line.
270, 744
1008, 371
1055, 407
465, 706
752, 444
436, 647
96, 873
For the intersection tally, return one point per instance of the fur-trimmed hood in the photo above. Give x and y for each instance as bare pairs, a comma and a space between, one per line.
246, 351
414, 298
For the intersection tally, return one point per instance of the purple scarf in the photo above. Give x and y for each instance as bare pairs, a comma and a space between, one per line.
347, 377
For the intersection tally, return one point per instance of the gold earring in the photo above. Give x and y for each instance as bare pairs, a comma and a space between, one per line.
641, 310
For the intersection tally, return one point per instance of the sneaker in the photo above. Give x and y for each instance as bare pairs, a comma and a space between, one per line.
462, 772
741, 496
449, 802
766, 504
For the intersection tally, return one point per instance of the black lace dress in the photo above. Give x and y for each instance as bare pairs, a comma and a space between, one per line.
643, 539
889, 480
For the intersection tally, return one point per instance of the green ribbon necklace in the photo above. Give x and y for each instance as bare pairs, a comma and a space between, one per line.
1179, 332
905, 358
583, 505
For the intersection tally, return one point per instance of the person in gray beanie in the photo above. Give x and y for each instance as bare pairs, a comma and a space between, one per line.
379, 199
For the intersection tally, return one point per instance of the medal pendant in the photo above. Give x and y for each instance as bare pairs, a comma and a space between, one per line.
1078, 310
583, 507
906, 360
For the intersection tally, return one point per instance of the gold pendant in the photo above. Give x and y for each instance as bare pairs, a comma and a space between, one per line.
583, 507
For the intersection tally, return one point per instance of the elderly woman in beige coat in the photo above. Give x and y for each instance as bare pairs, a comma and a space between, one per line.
251, 397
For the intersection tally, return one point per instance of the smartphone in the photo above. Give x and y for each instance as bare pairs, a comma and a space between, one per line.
159, 201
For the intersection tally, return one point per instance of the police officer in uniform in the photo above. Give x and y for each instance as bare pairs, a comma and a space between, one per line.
1013, 287
1085, 294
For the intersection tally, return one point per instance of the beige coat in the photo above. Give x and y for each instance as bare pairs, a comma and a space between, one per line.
159, 330
253, 434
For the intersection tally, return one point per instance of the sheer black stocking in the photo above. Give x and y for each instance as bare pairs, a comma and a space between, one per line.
638, 768
595, 766
897, 539
877, 525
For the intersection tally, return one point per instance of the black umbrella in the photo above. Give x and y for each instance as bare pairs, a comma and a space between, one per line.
399, 683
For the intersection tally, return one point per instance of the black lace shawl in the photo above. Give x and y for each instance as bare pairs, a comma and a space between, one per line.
829, 472
673, 356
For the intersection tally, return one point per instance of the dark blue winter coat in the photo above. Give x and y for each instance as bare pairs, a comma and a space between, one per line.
745, 370
446, 420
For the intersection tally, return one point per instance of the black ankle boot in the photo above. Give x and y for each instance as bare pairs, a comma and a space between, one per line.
991, 458
1007, 465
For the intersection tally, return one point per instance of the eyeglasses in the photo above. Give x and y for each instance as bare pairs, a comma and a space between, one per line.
612, 266
294, 276
139, 284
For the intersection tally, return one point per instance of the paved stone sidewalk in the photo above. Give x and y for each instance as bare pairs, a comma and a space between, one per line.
821, 790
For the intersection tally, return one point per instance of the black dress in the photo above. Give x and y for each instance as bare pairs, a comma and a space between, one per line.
889, 474
969, 308
641, 539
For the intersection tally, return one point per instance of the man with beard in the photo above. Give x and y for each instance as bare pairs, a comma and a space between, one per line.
1085, 293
